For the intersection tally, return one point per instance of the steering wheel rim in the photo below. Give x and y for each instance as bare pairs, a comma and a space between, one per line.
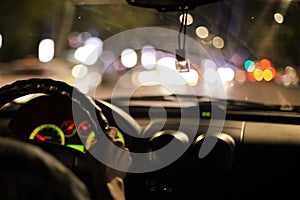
53, 87
86, 105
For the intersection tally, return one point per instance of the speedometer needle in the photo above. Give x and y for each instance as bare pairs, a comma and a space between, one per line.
70, 127
41, 138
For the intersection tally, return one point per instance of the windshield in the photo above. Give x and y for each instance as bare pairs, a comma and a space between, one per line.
233, 49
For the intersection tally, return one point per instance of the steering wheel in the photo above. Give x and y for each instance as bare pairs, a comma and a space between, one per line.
73, 159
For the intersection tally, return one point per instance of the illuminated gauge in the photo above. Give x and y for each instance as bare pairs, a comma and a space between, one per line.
68, 127
48, 133
120, 136
84, 129
91, 140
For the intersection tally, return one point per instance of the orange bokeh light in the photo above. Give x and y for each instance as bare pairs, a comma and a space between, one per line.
265, 63
251, 77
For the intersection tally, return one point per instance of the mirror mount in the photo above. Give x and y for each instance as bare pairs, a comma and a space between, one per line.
182, 62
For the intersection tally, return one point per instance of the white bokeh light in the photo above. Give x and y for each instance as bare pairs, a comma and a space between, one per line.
226, 74
90, 51
148, 57
79, 71
46, 50
1, 41
87, 54
128, 58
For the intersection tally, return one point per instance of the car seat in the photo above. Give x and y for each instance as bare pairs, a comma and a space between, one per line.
28, 172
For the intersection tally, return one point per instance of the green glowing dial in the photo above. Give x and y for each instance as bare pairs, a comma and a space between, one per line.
92, 139
48, 133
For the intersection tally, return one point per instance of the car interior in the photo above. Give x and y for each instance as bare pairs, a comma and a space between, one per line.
87, 111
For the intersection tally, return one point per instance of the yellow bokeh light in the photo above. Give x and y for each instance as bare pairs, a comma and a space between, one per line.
202, 32
268, 75
279, 18
218, 42
189, 20
258, 74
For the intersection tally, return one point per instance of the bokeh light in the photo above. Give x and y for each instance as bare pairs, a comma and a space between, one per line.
249, 65
129, 58
265, 63
226, 74
260, 70
83, 36
74, 40
46, 50
241, 76
258, 74
202, 32
189, 21
79, 71
148, 57
1, 39
97, 42
286, 80
267, 75
218, 42
290, 71
289, 76
87, 54
251, 77
279, 18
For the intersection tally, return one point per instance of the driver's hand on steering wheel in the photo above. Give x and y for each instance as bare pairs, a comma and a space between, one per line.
109, 181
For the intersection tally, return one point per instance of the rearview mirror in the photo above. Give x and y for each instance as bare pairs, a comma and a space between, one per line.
169, 5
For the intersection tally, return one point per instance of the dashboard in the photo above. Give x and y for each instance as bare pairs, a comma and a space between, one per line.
251, 156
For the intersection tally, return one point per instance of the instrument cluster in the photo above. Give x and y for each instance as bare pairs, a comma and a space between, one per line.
50, 119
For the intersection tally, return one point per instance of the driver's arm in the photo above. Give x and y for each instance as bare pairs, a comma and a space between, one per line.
109, 182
